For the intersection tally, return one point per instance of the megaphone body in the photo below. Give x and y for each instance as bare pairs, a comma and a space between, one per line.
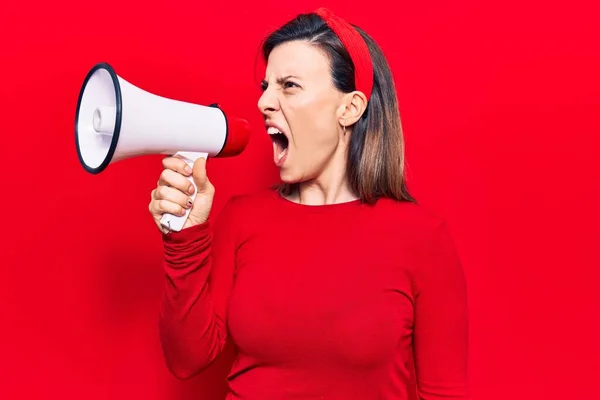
116, 120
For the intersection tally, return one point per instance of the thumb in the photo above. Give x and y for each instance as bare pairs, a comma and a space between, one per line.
200, 176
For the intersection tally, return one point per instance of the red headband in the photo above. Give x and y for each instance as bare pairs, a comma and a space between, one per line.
356, 47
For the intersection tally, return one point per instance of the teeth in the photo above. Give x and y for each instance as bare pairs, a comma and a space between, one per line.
280, 156
273, 131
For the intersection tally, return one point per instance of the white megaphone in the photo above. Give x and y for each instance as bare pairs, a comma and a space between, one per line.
116, 120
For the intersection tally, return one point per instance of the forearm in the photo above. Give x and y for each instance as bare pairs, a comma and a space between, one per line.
192, 332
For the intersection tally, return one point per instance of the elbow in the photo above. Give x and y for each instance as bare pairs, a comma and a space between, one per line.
184, 369
182, 373
185, 362
189, 351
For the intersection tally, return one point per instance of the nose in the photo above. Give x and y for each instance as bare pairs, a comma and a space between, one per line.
268, 102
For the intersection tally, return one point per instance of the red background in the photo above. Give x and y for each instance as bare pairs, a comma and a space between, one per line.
500, 110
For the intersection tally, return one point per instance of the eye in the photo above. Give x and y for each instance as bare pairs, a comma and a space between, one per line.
263, 86
289, 84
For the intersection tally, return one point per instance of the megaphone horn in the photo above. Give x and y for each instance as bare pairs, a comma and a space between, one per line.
116, 120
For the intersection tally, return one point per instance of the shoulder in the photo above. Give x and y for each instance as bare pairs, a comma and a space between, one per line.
413, 218
425, 237
420, 230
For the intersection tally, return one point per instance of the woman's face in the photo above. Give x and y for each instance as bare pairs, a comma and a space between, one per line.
301, 108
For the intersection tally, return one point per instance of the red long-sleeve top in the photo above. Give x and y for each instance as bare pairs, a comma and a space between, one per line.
336, 302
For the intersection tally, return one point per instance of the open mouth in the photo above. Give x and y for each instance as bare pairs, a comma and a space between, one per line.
280, 144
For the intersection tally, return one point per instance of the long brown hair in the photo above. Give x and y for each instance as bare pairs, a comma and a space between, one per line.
376, 161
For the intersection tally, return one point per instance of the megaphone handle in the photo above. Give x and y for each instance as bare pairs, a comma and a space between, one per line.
176, 222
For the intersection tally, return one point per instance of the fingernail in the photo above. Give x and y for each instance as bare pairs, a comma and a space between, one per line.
187, 169
191, 189
189, 202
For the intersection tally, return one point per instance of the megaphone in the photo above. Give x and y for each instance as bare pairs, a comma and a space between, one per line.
116, 120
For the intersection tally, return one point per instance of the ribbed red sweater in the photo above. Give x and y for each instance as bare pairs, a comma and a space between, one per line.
328, 302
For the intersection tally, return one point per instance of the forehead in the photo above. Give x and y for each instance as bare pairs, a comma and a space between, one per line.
297, 58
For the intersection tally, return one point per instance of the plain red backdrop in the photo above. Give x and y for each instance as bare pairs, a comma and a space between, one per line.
500, 110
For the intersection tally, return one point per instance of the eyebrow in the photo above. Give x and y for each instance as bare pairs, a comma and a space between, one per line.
281, 80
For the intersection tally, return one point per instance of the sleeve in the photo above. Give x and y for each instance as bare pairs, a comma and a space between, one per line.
441, 322
199, 267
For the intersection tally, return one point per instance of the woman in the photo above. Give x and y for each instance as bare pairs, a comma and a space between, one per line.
333, 285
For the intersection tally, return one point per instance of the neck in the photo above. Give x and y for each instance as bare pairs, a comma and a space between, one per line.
330, 187
315, 193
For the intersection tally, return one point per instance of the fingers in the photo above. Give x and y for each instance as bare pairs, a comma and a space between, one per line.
177, 164
162, 206
159, 207
166, 199
173, 195
174, 179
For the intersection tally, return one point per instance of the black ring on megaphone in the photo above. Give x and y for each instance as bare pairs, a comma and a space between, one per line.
119, 114
216, 105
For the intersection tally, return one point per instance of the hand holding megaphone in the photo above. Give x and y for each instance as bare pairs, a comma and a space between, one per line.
183, 191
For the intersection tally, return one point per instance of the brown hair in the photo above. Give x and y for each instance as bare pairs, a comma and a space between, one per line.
376, 162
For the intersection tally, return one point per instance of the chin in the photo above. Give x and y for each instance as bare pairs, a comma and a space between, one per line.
289, 176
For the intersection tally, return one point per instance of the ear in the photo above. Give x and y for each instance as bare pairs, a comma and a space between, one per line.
352, 108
